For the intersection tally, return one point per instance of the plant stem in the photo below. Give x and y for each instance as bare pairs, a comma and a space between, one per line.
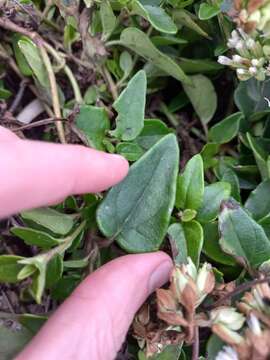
54, 93
196, 344
110, 82
241, 288
69, 73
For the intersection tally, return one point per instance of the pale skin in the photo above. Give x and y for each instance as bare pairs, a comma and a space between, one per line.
93, 322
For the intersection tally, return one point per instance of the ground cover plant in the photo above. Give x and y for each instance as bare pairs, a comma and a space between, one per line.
181, 88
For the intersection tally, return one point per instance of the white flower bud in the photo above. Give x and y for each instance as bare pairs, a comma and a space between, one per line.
224, 60
252, 70
238, 59
254, 325
241, 72
227, 316
240, 45
227, 353
255, 62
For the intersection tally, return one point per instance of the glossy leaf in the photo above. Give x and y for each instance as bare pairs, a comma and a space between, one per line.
35, 237
9, 268
141, 223
203, 97
131, 107
138, 41
211, 246
50, 219
260, 155
230, 177
241, 236
33, 57
214, 194
93, 122
258, 202
207, 11
190, 185
186, 241
157, 17
54, 270
225, 130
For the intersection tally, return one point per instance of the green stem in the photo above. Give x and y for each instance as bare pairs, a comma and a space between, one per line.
54, 93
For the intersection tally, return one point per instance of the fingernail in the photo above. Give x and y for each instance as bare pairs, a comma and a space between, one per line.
160, 275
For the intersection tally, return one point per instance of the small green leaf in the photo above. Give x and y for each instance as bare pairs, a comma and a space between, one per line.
140, 224
190, 185
126, 63
241, 236
186, 241
214, 194
258, 202
137, 41
260, 156
9, 268
35, 237
230, 177
130, 151
108, 19
33, 57
188, 215
152, 132
93, 122
50, 219
54, 271
178, 243
211, 247
207, 11
183, 17
157, 17
227, 129
4, 94
26, 271
20, 59
170, 352
130, 107
203, 97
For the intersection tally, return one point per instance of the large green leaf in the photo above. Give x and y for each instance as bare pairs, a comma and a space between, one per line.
203, 97
138, 41
241, 236
137, 211
225, 130
50, 219
9, 268
157, 17
214, 194
130, 107
12, 342
258, 202
190, 186
93, 122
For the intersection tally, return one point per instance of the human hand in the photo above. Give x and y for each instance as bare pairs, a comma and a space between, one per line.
92, 323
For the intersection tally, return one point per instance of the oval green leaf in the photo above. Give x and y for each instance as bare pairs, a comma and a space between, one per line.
137, 211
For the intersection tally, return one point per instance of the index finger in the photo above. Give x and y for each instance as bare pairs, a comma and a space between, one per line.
37, 173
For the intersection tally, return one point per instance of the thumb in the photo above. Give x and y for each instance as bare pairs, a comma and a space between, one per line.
93, 322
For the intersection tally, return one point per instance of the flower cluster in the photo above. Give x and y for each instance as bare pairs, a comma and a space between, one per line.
251, 58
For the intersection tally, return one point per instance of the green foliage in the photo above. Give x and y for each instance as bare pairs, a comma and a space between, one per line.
140, 224
139, 78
